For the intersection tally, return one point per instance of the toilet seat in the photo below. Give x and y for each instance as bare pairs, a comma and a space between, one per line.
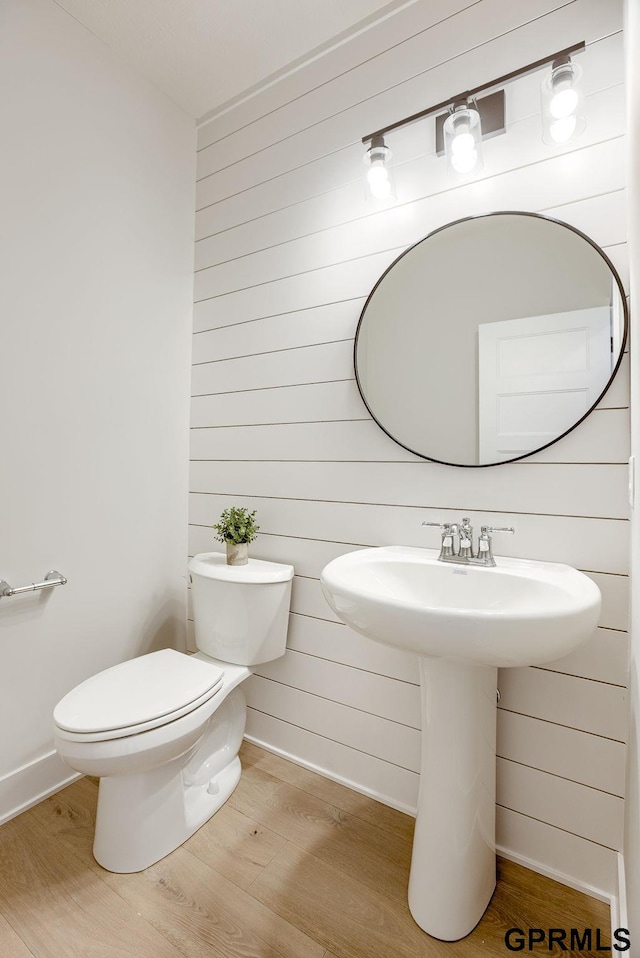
135, 696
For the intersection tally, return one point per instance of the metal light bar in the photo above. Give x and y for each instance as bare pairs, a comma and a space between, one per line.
467, 94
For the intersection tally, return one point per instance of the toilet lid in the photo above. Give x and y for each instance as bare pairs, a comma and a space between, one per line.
146, 691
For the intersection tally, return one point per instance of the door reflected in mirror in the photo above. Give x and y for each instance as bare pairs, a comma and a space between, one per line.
490, 339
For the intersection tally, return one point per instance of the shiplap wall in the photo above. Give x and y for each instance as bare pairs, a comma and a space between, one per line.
287, 252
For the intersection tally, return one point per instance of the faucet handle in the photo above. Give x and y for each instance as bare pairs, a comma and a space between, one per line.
448, 528
448, 532
485, 552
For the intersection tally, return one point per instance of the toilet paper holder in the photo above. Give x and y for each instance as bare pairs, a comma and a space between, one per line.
51, 579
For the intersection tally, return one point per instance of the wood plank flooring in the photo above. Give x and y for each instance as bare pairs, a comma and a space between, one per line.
293, 866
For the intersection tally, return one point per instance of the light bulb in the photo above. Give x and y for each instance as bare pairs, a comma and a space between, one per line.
563, 103
379, 171
464, 155
464, 162
378, 180
462, 143
562, 130
462, 140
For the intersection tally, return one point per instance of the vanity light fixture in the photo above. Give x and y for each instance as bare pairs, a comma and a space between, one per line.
463, 139
562, 103
460, 120
379, 179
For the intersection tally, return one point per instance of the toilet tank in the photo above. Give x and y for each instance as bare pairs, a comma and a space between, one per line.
240, 613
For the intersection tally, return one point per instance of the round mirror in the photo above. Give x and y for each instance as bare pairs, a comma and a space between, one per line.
490, 339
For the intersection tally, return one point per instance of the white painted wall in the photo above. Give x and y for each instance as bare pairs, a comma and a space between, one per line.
96, 233
286, 254
632, 807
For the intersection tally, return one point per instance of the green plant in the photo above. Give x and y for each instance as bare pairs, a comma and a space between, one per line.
236, 525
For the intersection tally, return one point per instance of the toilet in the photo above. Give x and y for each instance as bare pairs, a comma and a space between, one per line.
162, 732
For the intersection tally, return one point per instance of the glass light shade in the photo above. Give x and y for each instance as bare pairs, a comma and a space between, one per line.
463, 142
562, 104
380, 184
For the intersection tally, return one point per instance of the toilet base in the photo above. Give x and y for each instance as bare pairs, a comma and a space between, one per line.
144, 816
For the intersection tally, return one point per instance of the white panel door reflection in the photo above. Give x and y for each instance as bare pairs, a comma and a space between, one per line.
537, 376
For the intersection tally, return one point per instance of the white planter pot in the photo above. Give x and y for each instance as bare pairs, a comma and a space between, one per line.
237, 554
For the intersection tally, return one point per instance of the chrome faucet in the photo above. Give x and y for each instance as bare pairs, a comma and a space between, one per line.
465, 550
461, 552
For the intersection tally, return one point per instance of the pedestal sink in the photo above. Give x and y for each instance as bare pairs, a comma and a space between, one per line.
463, 622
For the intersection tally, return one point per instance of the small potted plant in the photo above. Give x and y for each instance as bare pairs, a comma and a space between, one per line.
237, 528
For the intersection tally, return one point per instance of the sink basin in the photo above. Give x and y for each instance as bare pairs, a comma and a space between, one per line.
520, 612
463, 622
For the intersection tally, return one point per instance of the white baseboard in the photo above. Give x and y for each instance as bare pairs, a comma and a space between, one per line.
617, 902
619, 911
554, 874
332, 776
33, 782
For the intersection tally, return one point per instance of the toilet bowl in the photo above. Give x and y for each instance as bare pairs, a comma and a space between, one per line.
162, 731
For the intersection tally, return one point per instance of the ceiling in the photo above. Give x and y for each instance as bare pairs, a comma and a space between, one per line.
205, 54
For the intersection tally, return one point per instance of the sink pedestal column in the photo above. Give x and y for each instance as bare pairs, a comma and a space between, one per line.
453, 869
